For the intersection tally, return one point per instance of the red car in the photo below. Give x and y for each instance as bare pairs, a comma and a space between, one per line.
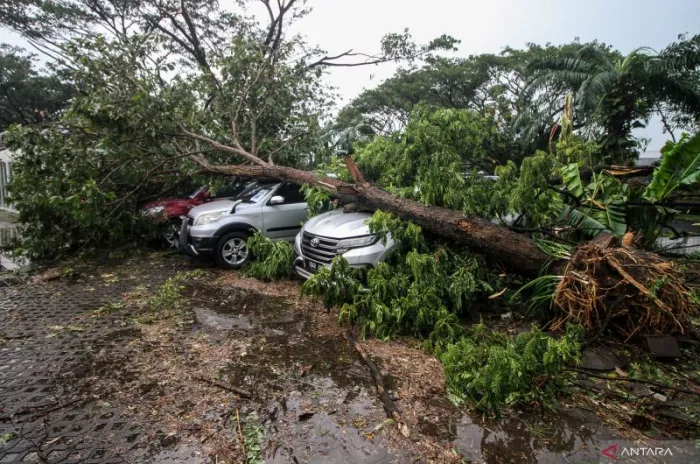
168, 210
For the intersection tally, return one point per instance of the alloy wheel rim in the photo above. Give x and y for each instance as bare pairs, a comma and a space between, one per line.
170, 235
235, 251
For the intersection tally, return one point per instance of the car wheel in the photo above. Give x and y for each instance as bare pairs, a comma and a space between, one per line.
232, 250
170, 235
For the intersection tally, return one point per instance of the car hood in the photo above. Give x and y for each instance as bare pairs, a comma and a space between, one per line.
338, 224
219, 206
170, 201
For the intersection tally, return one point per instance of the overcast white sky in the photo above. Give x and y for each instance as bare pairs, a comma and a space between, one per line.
489, 25
486, 27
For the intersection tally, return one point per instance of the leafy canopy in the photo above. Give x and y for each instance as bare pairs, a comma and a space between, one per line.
26, 95
619, 93
272, 260
160, 82
680, 166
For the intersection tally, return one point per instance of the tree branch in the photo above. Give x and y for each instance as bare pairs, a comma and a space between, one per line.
235, 150
283, 146
274, 32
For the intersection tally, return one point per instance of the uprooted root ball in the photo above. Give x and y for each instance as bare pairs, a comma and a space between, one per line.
629, 291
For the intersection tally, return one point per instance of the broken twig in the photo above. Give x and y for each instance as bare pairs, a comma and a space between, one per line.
240, 435
229, 388
389, 407
633, 380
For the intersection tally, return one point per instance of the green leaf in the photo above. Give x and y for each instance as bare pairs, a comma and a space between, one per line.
680, 165
616, 212
575, 218
572, 179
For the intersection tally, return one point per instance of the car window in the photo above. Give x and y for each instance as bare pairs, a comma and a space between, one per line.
247, 189
256, 193
196, 192
291, 193
257, 198
230, 190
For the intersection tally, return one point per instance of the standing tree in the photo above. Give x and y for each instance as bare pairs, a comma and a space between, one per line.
619, 95
493, 85
26, 96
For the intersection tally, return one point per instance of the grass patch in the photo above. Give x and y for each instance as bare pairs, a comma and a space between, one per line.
5, 438
167, 301
108, 308
647, 369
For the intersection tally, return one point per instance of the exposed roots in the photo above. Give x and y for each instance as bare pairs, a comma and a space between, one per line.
629, 291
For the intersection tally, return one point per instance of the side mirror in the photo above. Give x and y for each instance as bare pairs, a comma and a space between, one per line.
277, 200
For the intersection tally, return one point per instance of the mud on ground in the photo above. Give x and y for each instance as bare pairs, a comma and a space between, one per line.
232, 370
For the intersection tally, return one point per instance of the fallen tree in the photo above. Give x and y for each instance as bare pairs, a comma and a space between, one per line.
513, 250
599, 282
625, 290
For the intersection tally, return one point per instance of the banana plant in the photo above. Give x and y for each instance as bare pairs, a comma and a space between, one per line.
602, 204
680, 166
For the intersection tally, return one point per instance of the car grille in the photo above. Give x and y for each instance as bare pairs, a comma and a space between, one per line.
190, 221
323, 253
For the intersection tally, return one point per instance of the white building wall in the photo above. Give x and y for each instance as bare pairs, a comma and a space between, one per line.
6, 158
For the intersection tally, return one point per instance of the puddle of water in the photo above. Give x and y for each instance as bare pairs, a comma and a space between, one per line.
216, 321
184, 452
321, 425
229, 309
318, 399
569, 436
280, 359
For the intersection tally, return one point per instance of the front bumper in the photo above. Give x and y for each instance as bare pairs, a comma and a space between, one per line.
299, 268
194, 246
365, 257
359, 258
302, 269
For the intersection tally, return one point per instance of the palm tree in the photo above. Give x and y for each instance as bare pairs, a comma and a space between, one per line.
620, 93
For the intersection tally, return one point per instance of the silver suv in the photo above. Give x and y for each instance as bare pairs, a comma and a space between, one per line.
338, 233
221, 228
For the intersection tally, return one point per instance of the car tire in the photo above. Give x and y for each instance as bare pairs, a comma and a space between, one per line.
170, 234
232, 250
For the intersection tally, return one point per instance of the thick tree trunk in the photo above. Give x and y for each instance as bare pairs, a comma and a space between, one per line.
497, 243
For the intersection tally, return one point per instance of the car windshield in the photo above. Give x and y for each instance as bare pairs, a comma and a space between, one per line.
255, 193
196, 192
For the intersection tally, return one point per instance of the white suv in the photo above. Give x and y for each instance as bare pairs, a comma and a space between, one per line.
338, 233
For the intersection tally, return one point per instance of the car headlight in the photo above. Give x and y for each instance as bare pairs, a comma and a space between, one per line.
205, 219
153, 211
357, 242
